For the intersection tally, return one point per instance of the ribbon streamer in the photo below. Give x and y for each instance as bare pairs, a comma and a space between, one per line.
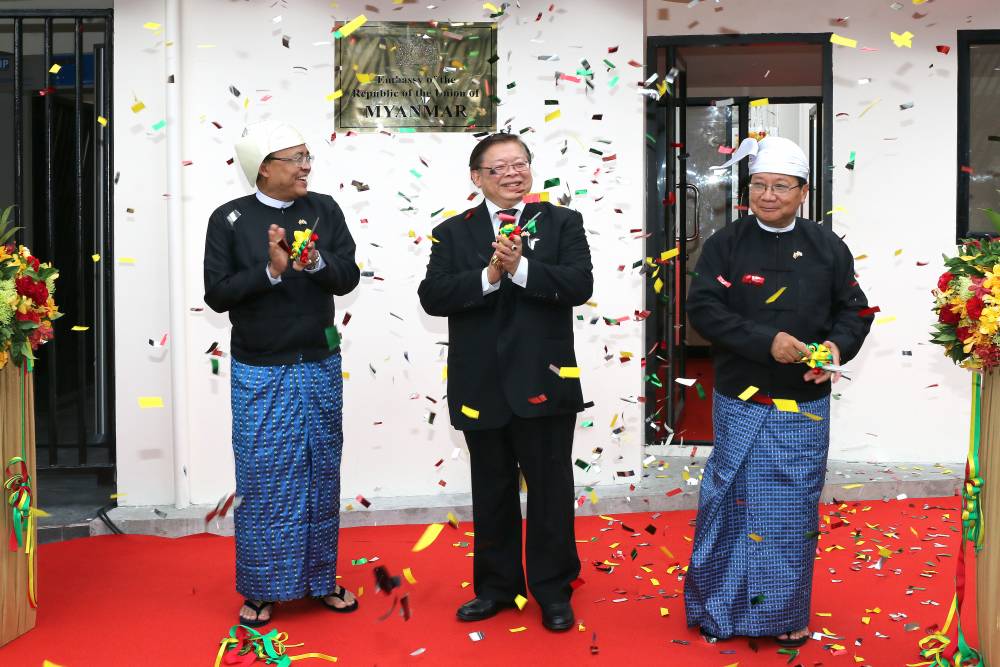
245, 645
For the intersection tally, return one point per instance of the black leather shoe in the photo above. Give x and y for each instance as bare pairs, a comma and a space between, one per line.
479, 609
557, 616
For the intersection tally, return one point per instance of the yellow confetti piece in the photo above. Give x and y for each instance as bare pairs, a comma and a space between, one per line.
490, 6
755, 537
361, 592
55, 68
904, 40
774, 297
150, 402
815, 418
465, 584
614, 545
869, 107
469, 412
96, 257
431, 533
103, 121
569, 372
350, 26
860, 257
658, 285
886, 319
364, 77
825, 614
654, 581
448, 214
664, 612
335, 95
115, 496
748, 392
786, 405
520, 601
759, 103
866, 619
151, 25
138, 106
37, 511
851, 486
79, 327
553, 115
669, 254
126, 260
520, 629
345, 374
408, 573
581, 627
898, 252
593, 498
843, 41
667, 552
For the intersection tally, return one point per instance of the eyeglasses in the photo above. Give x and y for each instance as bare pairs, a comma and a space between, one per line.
299, 158
779, 189
501, 169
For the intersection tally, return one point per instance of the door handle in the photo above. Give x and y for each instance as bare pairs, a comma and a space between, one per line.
697, 213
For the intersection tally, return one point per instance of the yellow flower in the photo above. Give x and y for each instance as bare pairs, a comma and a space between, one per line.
989, 320
24, 305
992, 280
4, 358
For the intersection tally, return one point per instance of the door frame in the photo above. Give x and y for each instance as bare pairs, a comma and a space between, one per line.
660, 217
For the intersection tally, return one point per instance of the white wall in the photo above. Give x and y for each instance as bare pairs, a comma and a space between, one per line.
901, 195
397, 457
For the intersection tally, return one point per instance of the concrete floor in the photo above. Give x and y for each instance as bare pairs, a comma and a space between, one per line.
846, 481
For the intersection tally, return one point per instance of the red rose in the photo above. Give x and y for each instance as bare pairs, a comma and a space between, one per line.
974, 307
33, 261
948, 316
963, 333
33, 289
943, 281
30, 316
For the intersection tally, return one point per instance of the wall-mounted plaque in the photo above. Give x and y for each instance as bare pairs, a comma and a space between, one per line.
417, 77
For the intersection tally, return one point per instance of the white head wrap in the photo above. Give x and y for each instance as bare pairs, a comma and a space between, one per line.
771, 155
260, 140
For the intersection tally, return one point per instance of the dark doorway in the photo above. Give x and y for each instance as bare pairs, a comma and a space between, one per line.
55, 139
715, 98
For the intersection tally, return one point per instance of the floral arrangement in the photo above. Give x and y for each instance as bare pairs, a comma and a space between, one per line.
967, 304
27, 307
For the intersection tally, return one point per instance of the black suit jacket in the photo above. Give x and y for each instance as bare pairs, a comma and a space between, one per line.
500, 346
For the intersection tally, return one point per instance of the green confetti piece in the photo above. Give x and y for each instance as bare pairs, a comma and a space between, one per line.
416, 174
215, 366
511, 85
651, 137
653, 380
473, 54
596, 152
359, 561
436, 212
581, 464
587, 424
332, 338
613, 82
584, 72
406, 130
579, 192
635, 553
160, 125
757, 599
579, 317
792, 654
610, 64
551, 183
700, 390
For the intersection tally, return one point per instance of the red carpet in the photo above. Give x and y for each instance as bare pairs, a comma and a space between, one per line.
695, 423
147, 601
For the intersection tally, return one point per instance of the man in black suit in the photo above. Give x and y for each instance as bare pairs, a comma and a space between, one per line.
509, 302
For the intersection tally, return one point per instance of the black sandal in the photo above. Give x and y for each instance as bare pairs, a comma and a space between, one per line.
792, 643
339, 592
258, 608
708, 637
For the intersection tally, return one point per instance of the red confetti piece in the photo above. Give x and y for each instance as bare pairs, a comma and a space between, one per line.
671, 199
633, 63
941, 48
752, 279
865, 312
612, 49
726, 150
364, 501
538, 400
725, 283
674, 492
966, 169
922, 263
569, 77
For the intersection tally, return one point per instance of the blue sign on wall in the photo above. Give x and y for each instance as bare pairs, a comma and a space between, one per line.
67, 75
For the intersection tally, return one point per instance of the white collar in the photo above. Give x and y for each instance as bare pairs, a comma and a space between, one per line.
776, 230
493, 209
271, 201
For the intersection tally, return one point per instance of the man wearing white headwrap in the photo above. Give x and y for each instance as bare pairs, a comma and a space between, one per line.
286, 382
766, 287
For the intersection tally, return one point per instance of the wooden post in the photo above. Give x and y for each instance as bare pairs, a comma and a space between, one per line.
17, 616
988, 559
